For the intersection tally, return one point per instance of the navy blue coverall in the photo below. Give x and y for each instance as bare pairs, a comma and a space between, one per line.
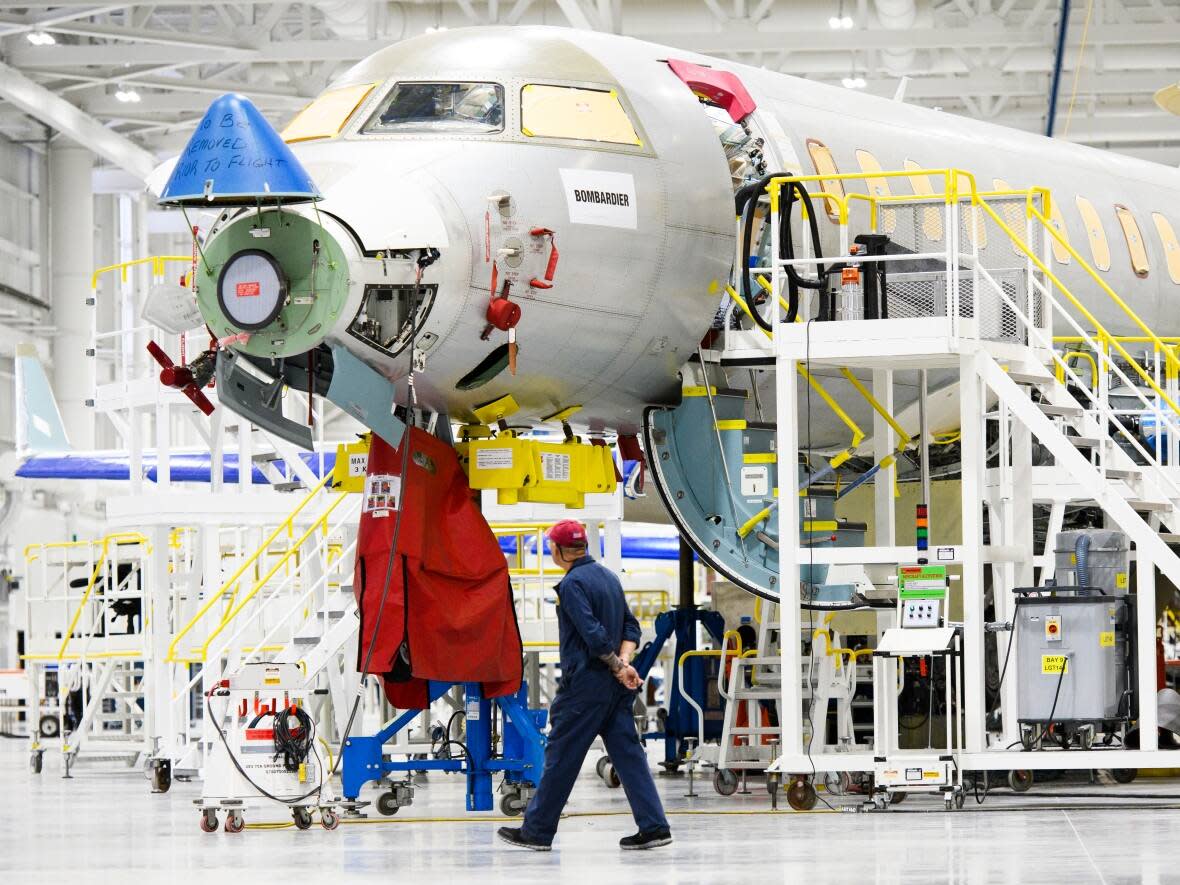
593, 620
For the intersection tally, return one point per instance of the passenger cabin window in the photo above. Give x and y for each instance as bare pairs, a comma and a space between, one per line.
878, 187
326, 116
1135, 244
931, 215
1099, 247
575, 113
825, 164
1011, 210
468, 108
1171, 247
1057, 220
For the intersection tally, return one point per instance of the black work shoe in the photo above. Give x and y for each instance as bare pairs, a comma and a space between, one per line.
514, 836
650, 839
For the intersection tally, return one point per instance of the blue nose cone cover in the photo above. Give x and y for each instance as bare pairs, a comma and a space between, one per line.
236, 158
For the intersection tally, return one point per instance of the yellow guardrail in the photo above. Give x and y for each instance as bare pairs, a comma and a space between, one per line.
1074, 356
100, 562
158, 263
1037, 208
287, 525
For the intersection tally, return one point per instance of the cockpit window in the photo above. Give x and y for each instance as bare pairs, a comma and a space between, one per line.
326, 116
441, 107
576, 113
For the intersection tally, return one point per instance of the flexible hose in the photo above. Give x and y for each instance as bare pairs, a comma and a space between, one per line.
1081, 552
747, 199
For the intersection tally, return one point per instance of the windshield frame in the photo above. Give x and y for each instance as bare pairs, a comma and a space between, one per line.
371, 126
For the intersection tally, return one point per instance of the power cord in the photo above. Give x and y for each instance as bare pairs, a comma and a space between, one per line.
812, 682
426, 257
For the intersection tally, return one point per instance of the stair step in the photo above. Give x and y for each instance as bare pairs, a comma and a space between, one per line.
1035, 380
1119, 473
306, 640
754, 694
1085, 442
1169, 538
1060, 411
289, 486
1156, 506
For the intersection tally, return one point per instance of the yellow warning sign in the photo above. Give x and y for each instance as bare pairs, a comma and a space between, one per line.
1053, 664
1120, 580
1106, 639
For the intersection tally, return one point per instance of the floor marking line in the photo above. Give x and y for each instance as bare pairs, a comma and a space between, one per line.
1089, 856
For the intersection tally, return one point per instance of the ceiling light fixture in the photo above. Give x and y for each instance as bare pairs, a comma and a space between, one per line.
434, 29
127, 95
40, 38
854, 82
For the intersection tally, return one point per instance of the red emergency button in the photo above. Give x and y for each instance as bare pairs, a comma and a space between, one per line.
1052, 629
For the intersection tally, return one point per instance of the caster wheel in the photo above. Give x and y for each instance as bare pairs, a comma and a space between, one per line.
329, 819
600, 766
837, 782
209, 821
880, 802
161, 775
959, 799
234, 822
1124, 775
49, 726
387, 804
801, 795
725, 781
35, 762
612, 777
302, 818
512, 804
1020, 780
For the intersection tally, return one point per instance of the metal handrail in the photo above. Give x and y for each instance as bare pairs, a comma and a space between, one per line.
321, 522
158, 263
286, 524
117, 538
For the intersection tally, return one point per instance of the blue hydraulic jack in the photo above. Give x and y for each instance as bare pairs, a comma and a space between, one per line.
681, 723
521, 762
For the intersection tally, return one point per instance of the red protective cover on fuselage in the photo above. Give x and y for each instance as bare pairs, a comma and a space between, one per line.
448, 615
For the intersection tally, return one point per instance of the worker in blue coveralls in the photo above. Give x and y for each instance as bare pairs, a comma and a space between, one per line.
598, 634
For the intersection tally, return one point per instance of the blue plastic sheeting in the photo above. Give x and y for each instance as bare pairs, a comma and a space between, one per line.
634, 546
186, 467
75, 465
196, 467
235, 158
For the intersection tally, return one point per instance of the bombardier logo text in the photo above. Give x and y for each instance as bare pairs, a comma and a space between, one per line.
604, 197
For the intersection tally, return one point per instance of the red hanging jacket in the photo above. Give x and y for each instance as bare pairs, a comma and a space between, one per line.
448, 613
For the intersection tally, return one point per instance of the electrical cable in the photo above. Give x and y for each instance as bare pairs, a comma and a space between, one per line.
426, 257
812, 681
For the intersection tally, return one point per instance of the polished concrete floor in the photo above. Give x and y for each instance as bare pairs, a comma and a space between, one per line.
105, 826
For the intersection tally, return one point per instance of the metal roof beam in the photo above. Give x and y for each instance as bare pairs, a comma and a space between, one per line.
55, 111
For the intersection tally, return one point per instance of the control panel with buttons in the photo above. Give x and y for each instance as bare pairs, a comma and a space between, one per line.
921, 591
921, 612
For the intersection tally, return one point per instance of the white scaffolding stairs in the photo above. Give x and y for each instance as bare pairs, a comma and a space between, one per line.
1129, 493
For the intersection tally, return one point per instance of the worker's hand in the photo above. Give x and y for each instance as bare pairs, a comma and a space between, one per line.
629, 677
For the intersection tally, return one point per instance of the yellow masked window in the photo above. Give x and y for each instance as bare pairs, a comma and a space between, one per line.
931, 215
1057, 220
326, 116
878, 187
1171, 247
1011, 210
576, 113
1135, 244
825, 164
1099, 247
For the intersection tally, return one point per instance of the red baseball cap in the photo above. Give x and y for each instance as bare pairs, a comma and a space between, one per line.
567, 533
